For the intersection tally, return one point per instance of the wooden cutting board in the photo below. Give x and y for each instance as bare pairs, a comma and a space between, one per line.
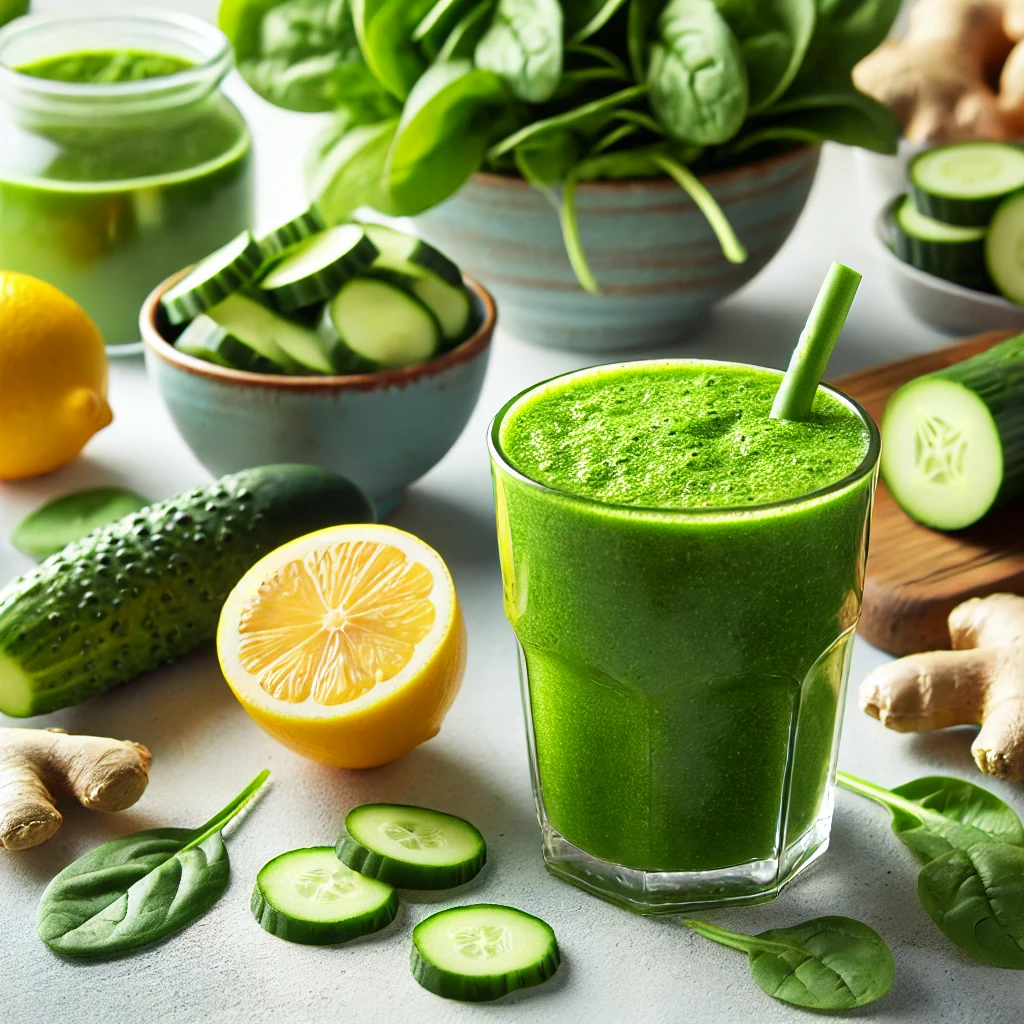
916, 575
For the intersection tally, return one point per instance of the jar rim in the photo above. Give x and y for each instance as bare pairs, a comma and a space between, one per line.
211, 45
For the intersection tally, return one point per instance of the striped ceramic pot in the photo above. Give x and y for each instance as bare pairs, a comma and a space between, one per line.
658, 263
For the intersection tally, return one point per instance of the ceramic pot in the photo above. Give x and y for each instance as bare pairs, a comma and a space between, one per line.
658, 262
381, 430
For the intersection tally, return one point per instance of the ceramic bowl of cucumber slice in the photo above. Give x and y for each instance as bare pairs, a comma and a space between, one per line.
357, 348
954, 239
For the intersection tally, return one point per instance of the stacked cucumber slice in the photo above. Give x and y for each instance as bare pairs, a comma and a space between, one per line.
307, 299
322, 896
964, 217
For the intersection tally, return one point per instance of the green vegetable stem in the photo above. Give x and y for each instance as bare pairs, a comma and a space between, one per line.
427, 92
140, 888
972, 847
827, 963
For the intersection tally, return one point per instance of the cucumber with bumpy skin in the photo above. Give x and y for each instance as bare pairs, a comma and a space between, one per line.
481, 952
309, 896
383, 324
315, 268
213, 279
953, 440
411, 847
965, 182
291, 232
141, 592
954, 253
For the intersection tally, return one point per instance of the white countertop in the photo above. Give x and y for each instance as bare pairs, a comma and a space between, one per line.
616, 967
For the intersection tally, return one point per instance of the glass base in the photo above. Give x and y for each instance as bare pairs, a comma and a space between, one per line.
678, 892
122, 350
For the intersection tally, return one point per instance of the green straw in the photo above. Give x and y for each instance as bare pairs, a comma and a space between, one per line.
819, 336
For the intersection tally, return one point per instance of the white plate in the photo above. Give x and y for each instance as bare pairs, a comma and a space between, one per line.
947, 307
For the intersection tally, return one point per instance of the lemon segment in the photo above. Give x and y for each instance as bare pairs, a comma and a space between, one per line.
347, 645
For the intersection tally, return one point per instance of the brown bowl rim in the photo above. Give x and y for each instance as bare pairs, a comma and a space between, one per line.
663, 181
466, 352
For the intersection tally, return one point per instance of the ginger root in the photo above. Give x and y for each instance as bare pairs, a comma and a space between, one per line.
40, 766
938, 78
979, 682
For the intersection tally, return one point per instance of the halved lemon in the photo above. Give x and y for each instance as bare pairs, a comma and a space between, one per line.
347, 645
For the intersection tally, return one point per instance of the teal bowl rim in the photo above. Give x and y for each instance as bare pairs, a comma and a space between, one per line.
662, 181
469, 350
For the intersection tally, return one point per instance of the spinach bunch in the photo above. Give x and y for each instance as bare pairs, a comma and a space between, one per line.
426, 92
828, 963
972, 847
140, 888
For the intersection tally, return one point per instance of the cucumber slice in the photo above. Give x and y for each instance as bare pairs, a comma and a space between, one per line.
965, 182
481, 952
451, 306
953, 441
291, 232
205, 339
309, 896
292, 347
405, 253
411, 847
1004, 249
383, 324
213, 279
317, 267
945, 250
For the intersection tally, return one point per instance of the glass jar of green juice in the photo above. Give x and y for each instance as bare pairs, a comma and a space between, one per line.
121, 160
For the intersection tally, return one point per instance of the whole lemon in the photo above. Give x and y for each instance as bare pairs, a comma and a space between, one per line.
53, 377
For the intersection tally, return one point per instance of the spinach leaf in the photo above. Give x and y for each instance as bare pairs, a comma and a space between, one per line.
585, 18
976, 897
773, 37
448, 122
523, 47
242, 22
138, 889
345, 168
845, 31
697, 76
461, 42
302, 54
937, 814
59, 522
587, 117
384, 30
844, 124
828, 963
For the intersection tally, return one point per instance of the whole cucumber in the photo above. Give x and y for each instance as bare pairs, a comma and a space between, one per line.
143, 591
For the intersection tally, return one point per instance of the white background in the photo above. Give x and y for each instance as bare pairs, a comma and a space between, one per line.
617, 967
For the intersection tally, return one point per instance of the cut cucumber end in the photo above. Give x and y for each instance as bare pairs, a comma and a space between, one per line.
308, 896
942, 458
411, 847
17, 690
481, 952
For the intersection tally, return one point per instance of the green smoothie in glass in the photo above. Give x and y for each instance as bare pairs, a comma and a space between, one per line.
684, 576
120, 160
